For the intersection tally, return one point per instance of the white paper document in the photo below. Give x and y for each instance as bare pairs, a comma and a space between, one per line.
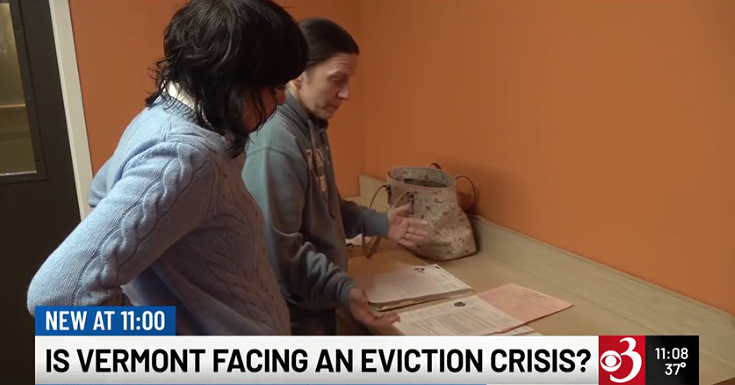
469, 316
413, 283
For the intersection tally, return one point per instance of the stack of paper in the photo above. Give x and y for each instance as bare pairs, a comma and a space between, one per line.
469, 316
523, 303
521, 330
408, 286
501, 311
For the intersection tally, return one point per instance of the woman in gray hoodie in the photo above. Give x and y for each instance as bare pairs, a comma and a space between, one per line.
289, 172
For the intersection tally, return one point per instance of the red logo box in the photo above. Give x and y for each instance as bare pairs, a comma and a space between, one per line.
622, 360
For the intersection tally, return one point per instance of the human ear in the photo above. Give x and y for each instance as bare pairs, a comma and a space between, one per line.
298, 81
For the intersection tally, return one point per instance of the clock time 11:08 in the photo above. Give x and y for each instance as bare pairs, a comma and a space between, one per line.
672, 354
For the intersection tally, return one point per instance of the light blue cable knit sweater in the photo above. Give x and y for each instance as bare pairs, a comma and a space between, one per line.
173, 224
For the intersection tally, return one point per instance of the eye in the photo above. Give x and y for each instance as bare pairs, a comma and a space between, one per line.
610, 361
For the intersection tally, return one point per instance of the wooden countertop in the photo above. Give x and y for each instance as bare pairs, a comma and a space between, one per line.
483, 272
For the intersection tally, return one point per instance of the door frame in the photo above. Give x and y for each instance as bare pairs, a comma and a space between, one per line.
66, 56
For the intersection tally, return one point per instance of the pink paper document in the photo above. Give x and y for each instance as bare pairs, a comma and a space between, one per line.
523, 304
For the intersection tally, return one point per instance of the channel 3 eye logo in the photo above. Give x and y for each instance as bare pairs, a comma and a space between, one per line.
622, 360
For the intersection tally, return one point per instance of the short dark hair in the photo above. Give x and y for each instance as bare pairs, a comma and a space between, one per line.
219, 50
326, 39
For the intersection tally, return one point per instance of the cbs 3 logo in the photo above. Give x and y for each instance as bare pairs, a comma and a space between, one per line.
611, 360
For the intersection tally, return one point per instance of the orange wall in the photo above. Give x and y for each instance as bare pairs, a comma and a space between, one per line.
117, 41
604, 128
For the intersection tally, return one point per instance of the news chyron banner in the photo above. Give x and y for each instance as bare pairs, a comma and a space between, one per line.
139, 345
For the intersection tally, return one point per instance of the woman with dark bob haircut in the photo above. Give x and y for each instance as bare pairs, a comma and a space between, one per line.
173, 223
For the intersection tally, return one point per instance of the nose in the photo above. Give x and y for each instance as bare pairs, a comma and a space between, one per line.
344, 92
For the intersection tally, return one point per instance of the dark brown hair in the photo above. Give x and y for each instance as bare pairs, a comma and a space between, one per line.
218, 51
325, 39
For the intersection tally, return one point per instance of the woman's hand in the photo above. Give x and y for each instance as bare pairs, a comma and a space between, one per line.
409, 232
361, 311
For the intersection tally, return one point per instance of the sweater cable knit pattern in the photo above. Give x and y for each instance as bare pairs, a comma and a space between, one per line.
172, 224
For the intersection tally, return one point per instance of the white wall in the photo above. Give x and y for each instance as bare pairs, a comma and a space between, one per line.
73, 105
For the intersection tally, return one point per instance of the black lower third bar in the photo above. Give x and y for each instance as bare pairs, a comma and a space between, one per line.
672, 360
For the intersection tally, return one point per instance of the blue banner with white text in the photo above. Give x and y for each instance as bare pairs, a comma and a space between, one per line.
105, 321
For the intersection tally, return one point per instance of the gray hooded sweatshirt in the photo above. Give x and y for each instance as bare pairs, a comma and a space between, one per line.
288, 171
